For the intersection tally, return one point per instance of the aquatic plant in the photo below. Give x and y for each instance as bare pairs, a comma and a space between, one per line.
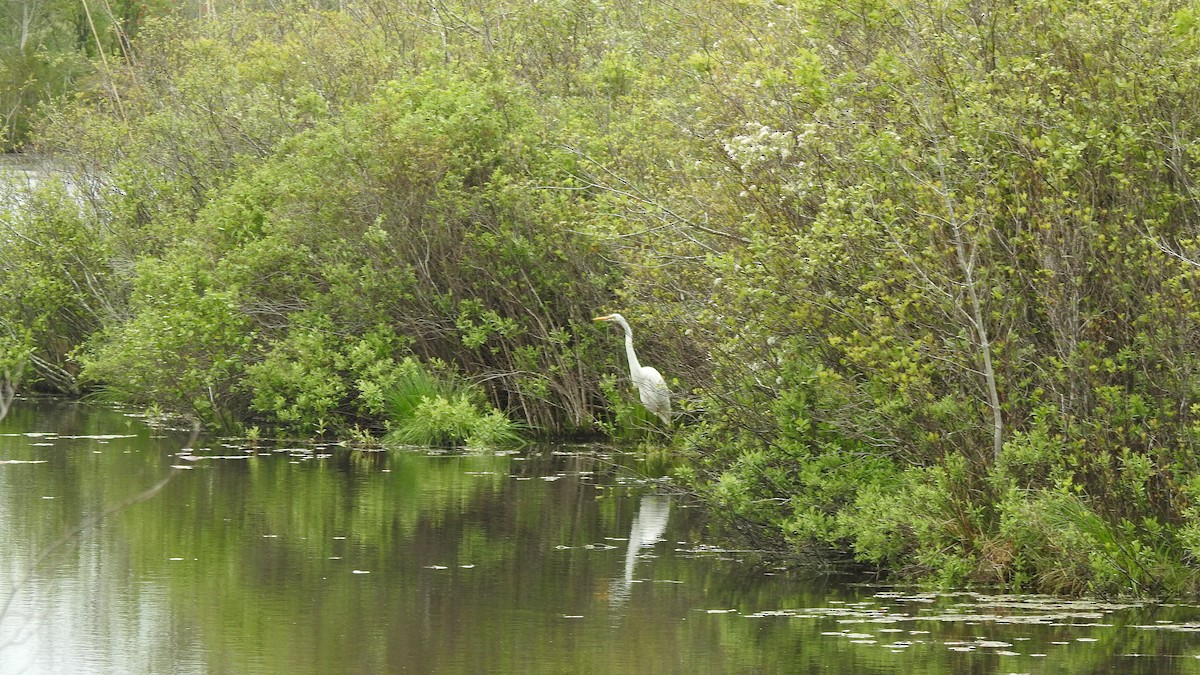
443, 409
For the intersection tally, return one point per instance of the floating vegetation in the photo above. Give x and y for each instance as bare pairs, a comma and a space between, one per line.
1180, 627
999, 609
98, 437
187, 457
1020, 626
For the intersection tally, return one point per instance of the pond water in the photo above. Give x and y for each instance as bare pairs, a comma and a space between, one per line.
17, 176
301, 558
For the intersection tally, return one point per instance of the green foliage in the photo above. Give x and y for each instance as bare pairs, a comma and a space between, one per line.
182, 347
415, 384
314, 379
56, 285
923, 269
39, 60
219, 163
1060, 543
977, 255
427, 409
27, 77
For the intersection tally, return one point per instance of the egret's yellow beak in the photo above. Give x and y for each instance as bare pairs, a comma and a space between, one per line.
603, 318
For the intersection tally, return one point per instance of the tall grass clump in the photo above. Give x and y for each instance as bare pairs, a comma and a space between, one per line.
430, 409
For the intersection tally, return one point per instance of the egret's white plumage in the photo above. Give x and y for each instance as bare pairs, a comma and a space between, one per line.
649, 382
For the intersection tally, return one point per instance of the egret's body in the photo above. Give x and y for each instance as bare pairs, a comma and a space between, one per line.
651, 386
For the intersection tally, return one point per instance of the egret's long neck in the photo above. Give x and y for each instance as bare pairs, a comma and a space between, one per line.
634, 366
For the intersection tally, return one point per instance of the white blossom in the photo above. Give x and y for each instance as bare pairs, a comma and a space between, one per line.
759, 144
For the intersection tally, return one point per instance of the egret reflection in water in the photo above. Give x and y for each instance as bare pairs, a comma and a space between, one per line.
647, 530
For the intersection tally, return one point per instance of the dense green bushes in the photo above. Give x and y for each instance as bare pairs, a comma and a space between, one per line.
925, 276
57, 287
284, 258
980, 248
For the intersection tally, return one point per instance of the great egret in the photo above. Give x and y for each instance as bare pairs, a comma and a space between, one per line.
650, 383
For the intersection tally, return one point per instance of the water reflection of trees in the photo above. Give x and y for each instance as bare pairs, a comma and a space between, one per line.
466, 563
53, 509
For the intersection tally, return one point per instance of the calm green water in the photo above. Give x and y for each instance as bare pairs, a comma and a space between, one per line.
321, 559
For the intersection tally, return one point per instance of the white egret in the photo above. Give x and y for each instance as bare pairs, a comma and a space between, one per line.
649, 382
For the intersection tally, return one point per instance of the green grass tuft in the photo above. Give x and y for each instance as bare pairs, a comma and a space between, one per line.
425, 409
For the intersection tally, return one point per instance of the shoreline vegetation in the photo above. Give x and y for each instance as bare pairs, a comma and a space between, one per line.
926, 275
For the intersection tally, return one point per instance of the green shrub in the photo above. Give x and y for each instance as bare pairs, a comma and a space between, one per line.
1061, 544
299, 383
183, 348
57, 285
219, 156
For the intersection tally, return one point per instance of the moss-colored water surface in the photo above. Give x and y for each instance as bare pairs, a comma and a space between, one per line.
321, 558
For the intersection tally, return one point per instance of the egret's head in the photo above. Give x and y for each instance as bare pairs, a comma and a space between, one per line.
609, 317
